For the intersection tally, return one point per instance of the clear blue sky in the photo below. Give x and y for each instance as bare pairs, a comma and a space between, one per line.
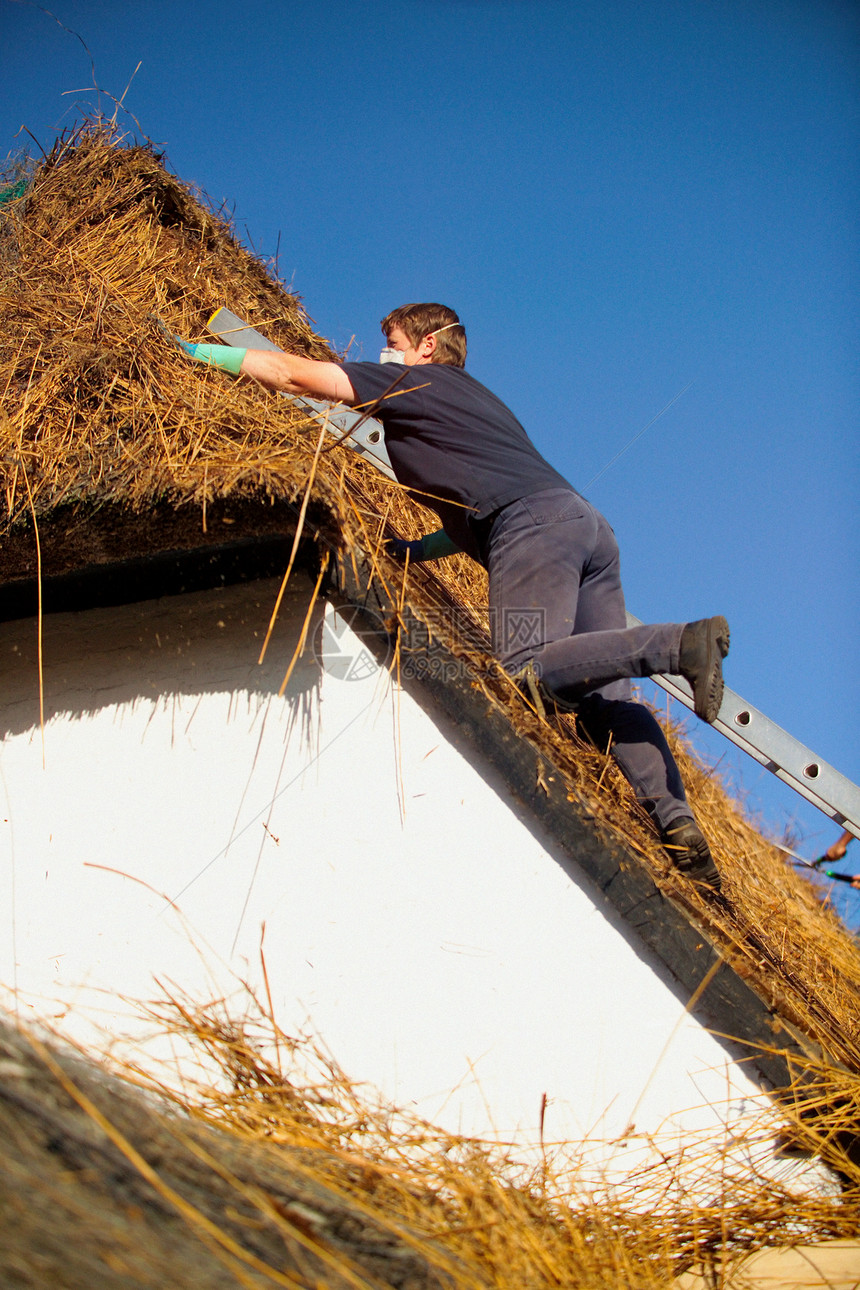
619, 199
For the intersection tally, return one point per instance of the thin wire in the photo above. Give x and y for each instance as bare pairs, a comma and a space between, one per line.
279, 792
638, 436
39, 613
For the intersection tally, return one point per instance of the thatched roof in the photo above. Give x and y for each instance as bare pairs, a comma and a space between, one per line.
113, 446
102, 251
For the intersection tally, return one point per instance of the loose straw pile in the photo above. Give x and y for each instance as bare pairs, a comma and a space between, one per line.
275, 1169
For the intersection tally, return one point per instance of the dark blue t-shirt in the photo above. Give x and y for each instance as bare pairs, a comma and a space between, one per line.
453, 443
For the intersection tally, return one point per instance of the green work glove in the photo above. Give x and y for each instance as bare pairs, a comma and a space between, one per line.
399, 548
432, 546
227, 357
437, 545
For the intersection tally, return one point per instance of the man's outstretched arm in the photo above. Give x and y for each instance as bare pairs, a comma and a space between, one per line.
294, 374
291, 373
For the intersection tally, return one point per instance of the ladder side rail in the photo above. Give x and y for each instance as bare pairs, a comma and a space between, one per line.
776, 750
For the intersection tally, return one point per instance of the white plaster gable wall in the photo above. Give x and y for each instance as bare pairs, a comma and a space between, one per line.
413, 922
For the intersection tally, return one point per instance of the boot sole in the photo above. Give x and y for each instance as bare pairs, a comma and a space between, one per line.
708, 875
694, 863
708, 698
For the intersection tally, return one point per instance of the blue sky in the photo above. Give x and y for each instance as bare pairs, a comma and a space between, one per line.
619, 199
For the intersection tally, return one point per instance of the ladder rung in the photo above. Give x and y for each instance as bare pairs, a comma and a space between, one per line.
777, 750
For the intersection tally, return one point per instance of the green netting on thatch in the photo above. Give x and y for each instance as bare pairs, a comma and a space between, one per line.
13, 191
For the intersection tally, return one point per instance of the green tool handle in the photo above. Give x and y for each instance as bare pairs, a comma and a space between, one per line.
840, 877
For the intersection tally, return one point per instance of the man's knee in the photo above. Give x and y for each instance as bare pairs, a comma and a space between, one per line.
601, 719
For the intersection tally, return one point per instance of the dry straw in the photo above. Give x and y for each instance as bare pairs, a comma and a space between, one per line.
275, 1169
103, 256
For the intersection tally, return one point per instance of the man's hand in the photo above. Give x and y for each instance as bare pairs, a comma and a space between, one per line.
226, 357
432, 546
399, 549
837, 849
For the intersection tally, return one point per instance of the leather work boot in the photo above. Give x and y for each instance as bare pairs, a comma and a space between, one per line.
690, 853
704, 645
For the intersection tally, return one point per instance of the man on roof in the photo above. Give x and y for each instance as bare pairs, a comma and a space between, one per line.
556, 605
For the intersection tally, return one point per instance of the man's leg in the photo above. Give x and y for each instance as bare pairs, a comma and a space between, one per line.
534, 576
636, 740
545, 552
609, 717
554, 579
612, 720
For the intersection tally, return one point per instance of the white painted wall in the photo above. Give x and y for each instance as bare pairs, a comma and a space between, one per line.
412, 921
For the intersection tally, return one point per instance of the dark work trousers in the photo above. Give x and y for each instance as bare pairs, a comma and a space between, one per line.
556, 598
